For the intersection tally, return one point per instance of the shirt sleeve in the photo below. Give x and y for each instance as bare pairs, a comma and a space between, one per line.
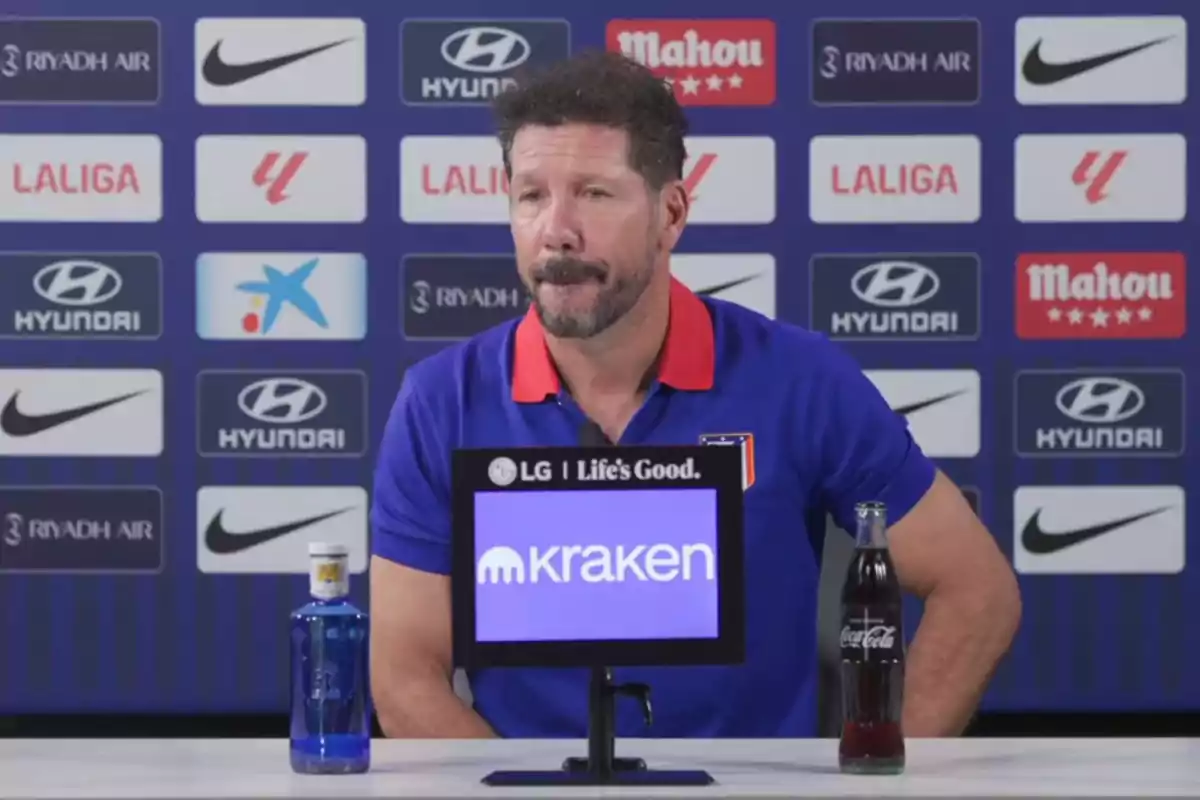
410, 511
867, 451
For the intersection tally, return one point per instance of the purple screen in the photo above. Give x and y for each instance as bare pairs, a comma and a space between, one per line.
596, 565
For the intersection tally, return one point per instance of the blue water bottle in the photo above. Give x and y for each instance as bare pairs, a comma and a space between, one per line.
330, 689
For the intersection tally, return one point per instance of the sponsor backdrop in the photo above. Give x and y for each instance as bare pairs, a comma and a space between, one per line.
227, 230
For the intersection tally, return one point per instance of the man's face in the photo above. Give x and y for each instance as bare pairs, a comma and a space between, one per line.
586, 226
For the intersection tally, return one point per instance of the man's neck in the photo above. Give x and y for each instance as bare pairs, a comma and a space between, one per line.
616, 363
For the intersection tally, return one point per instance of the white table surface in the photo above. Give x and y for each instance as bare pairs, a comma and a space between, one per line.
258, 769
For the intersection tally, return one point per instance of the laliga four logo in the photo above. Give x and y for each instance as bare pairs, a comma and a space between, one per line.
597, 563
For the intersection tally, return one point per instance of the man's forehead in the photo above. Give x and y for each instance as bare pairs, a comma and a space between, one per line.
590, 147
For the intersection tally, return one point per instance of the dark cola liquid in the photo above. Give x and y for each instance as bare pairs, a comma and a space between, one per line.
872, 644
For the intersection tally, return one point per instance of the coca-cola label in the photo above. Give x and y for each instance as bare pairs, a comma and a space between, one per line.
868, 635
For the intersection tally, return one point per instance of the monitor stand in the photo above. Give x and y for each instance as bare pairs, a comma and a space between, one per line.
601, 768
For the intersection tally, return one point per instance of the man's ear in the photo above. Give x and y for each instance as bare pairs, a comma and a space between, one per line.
674, 206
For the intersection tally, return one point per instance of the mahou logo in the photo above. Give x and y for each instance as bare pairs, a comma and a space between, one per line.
709, 62
1101, 296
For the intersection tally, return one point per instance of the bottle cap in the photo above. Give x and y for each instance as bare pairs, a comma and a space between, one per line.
326, 550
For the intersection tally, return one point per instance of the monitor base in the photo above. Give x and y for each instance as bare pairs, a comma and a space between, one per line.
632, 777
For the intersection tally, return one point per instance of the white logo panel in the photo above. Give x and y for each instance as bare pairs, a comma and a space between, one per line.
280, 61
941, 406
1119, 177
1101, 60
80, 178
1094, 530
81, 412
281, 179
747, 279
461, 179
881, 179
267, 529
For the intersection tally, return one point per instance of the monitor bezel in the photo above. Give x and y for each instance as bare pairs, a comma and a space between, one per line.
721, 470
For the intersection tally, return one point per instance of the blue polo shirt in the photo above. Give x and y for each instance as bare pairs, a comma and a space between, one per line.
823, 440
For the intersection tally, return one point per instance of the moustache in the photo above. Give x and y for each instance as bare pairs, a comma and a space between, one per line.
567, 271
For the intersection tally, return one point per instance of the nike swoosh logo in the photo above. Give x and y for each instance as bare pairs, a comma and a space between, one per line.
904, 411
222, 542
720, 287
1039, 73
1037, 541
219, 73
15, 423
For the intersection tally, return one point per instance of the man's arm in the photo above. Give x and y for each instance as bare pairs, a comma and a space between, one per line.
411, 667
411, 635
945, 555
942, 552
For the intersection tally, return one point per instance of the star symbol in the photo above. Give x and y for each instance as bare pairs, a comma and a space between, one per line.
1144, 314
1075, 316
714, 83
1099, 318
735, 81
690, 85
1054, 314
1124, 316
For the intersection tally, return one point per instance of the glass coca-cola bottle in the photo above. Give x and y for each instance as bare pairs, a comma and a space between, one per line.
872, 644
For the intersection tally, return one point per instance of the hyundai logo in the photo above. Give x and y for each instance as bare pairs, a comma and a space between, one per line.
281, 401
486, 49
895, 284
77, 282
1104, 401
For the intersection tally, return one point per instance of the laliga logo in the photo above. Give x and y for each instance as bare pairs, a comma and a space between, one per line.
597, 563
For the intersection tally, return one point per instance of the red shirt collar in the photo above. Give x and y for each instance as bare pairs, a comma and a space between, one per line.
688, 360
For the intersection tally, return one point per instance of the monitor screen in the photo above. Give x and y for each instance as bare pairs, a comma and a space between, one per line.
586, 565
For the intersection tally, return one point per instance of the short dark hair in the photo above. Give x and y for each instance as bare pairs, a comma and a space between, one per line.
601, 88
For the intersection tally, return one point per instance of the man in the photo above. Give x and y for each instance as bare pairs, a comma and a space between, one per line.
594, 150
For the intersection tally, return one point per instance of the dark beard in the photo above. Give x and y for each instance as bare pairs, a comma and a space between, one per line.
615, 298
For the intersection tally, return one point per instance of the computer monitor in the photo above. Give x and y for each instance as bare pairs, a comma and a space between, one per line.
598, 556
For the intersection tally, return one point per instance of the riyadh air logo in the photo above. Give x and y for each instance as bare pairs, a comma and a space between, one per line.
1118, 530
1099, 413
597, 563
281, 296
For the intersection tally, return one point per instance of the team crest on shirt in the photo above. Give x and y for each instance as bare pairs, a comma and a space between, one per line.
743, 440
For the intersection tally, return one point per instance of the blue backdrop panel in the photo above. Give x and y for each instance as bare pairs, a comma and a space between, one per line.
180, 640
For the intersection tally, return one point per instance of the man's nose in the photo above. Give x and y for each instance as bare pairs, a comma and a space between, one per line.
560, 227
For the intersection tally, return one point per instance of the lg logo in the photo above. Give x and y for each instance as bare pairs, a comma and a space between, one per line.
895, 284
77, 283
282, 401
486, 50
1103, 401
